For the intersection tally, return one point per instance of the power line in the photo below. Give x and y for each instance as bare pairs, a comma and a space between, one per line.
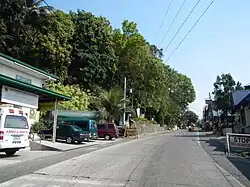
182, 25
164, 17
46, 3
191, 29
172, 22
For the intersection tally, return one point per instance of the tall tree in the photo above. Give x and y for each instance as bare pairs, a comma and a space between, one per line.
190, 117
94, 59
223, 88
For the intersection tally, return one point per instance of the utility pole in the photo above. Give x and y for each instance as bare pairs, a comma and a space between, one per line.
124, 103
55, 122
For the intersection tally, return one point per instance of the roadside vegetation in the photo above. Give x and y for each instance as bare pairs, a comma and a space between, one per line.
92, 58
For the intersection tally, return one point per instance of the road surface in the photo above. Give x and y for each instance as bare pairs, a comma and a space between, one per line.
173, 159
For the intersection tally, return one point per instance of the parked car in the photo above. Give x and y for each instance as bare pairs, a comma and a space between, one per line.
70, 133
88, 127
191, 128
107, 131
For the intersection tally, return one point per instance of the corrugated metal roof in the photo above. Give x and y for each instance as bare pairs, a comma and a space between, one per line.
239, 95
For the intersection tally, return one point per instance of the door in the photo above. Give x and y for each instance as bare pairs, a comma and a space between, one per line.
102, 130
16, 131
93, 128
62, 132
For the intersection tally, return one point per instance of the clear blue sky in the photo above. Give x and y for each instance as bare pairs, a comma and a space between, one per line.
219, 43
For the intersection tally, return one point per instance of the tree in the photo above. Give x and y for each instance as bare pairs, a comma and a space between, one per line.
223, 88
15, 18
190, 117
80, 100
94, 59
51, 49
41, 40
88, 54
110, 104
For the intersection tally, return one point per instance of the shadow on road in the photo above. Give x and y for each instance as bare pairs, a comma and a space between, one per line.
242, 164
3, 155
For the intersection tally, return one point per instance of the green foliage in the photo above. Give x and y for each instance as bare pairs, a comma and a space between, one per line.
80, 100
110, 103
223, 88
190, 117
94, 59
84, 50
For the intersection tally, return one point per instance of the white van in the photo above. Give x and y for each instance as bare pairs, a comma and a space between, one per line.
14, 130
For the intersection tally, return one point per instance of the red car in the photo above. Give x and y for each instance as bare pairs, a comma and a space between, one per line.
108, 131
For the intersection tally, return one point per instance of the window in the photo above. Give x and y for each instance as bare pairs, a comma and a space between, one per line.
16, 122
93, 125
111, 126
75, 128
82, 124
101, 126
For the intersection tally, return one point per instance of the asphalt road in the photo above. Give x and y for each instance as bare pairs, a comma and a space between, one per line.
174, 159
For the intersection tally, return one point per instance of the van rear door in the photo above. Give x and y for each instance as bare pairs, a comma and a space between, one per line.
15, 131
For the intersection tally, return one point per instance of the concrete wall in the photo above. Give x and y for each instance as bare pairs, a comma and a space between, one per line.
145, 127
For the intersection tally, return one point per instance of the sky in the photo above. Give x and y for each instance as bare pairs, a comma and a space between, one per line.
218, 44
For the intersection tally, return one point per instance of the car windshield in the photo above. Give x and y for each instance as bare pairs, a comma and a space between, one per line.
16, 122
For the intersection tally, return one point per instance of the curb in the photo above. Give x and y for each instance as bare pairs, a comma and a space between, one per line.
144, 135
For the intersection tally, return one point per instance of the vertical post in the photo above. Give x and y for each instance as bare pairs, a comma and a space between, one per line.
124, 103
55, 122
228, 145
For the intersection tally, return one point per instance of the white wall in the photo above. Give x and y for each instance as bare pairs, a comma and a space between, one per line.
33, 118
12, 73
247, 117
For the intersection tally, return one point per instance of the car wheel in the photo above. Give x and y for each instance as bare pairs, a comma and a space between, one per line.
69, 140
107, 137
10, 153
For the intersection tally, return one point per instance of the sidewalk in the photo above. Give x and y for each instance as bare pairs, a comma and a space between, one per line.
235, 165
63, 146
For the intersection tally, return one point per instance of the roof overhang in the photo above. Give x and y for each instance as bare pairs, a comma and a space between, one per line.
241, 98
21, 66
44, 94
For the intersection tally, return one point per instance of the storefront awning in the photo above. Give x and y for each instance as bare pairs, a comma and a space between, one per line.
44, 94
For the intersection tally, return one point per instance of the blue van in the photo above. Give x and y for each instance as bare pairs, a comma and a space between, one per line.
88, 127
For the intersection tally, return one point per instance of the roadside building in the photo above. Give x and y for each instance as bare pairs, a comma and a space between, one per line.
22, 85
241, 104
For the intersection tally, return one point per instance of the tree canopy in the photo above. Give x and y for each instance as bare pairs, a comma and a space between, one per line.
190, 117
90, 56
224, 85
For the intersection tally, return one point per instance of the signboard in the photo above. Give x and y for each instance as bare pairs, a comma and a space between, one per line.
238, 142
19, 97
23, 79
131, 131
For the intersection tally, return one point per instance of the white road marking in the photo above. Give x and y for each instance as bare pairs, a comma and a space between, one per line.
28, 185
198, 134
92, 148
